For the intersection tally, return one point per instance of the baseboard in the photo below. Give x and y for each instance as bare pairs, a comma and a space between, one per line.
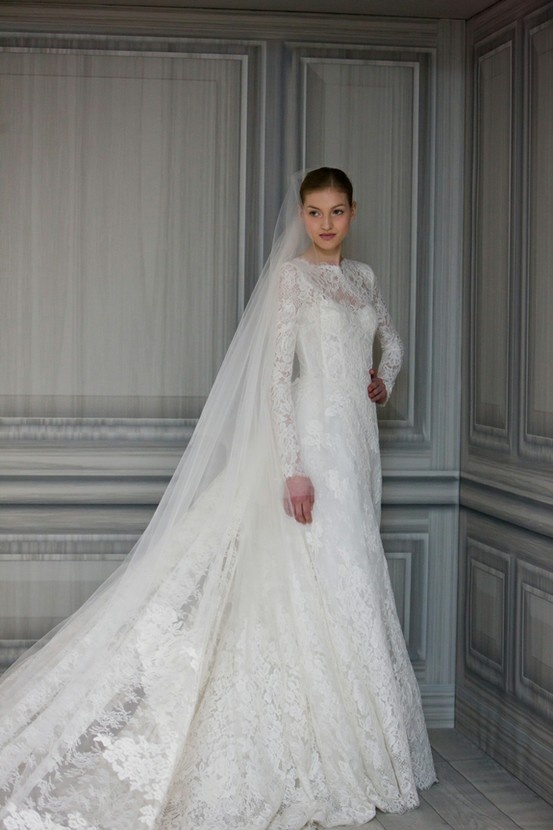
519, 742
438, 703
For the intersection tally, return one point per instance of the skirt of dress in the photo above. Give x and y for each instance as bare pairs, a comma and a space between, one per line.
263, 684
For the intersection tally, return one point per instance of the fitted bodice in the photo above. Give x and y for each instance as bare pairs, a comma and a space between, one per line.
334, 344
327, 319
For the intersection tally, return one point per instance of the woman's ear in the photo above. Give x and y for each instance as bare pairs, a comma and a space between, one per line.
353, 209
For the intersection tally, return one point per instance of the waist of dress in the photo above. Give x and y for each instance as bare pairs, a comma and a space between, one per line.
322, 387
314, 380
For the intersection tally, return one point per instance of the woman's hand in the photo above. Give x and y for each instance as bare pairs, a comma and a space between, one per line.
299, 499
377, 388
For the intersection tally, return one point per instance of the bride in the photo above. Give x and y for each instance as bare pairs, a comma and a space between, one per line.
244, 669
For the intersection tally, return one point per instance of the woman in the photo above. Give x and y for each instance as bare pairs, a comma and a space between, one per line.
245, 668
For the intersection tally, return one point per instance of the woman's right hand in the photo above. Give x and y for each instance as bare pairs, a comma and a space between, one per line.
299, 499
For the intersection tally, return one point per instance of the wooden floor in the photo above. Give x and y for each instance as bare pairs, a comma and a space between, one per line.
473, 793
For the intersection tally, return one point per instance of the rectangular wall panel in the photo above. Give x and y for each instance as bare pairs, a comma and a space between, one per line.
487, 610
491, 266
539, 242
407, 556
534, 665
504, 656
363, 115
121, 213
45, 577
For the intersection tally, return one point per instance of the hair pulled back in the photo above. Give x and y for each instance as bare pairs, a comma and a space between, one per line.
324, 177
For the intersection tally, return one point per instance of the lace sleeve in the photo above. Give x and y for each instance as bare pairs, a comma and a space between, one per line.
391, 345
284, 422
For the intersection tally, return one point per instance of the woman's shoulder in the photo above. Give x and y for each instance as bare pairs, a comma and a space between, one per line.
360, 272
294, 280
295, 271
359, 267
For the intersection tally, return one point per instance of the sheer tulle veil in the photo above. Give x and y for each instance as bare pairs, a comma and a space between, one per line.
151, 629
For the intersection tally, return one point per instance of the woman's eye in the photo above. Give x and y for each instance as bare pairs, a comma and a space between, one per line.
338, 211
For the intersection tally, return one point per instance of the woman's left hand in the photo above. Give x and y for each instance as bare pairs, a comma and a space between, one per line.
377, 388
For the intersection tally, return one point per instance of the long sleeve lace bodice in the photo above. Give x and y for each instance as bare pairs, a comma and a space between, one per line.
304, 331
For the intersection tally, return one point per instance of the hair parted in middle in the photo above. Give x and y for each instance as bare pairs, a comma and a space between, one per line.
324, 177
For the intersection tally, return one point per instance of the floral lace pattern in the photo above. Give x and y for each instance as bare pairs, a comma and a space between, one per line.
264, 682
306, 291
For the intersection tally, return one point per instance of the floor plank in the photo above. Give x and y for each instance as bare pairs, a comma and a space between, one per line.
474, 793
509, 794
461, 805
423, 818
453, 746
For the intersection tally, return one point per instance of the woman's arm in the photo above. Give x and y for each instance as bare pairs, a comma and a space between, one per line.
299, 495
391, 345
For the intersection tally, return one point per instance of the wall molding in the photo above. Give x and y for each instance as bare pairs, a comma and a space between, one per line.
62, 477
498, 16
45, 577
401, 268
505, 705
533, 672
148, 22
493, 564
482, 433
535, 441
430, 487
511, 504
410, 552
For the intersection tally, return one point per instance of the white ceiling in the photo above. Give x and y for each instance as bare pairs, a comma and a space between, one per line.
403, 8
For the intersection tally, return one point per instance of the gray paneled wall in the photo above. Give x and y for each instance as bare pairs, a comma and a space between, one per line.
505, 654
122, 180
144, 173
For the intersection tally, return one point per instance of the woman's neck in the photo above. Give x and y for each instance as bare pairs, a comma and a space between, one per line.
318, 257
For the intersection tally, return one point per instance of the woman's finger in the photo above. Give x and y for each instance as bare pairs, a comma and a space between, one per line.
377, 391
303, 510
298, 511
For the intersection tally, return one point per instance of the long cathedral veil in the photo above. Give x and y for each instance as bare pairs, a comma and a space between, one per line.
147, 635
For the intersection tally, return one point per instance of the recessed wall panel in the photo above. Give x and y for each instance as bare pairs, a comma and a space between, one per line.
486, 613
121, 230
362, 116
487, 610
537, 668
534, 664
44, 578
407, 557
539, 249
492, 240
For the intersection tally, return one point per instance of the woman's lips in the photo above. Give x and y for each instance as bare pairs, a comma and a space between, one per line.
327, 235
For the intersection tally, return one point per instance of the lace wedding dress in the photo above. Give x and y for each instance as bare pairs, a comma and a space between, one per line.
263, 682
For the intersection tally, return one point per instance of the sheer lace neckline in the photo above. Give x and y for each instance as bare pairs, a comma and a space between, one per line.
339, 265
337, 282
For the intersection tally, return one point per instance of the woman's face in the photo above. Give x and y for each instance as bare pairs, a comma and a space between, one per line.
327, 215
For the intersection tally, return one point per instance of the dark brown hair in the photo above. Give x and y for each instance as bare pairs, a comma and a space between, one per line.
324, 177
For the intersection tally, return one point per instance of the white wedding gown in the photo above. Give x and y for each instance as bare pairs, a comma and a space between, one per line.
265, 682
